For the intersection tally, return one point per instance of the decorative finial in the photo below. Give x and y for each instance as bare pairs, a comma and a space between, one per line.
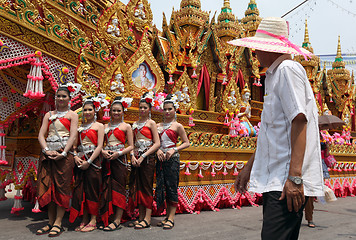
338, 54
227, 3
306, 34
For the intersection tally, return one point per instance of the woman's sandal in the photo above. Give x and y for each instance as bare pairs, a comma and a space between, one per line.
80, 227
110, 229
311, 224
88, 228
167, 226
133, 224
56, 232
42, 231
141, 226
161, 223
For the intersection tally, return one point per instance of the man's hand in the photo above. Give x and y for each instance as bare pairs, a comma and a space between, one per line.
294, 194
242, 180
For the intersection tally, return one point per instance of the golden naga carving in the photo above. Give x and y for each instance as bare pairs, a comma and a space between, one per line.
112, 28
231, 97
115, 80
144, 72
185, 89
139, 12
81, 74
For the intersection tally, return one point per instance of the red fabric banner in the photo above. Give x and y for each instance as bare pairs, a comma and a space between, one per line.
204, 77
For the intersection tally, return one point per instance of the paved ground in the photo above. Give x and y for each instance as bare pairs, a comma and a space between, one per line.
336, 220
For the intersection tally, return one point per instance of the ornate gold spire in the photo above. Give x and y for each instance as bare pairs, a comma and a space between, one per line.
306, 44
227, 25
338, 54
339, 62
190, 3
306, 34
252, 19
190, 13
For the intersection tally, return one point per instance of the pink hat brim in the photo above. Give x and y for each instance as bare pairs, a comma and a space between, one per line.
268, 45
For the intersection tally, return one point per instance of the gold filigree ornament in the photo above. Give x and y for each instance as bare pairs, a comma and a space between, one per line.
139, 12
81, 73
144, 72
231, 97
115, 80
186, 89
113, 29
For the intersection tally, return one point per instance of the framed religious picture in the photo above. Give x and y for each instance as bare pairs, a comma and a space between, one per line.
142, 77
144, 72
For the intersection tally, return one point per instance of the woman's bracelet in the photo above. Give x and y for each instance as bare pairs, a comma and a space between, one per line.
175, 149
143, 155
89, 160
45, 149
64, 154
120, 153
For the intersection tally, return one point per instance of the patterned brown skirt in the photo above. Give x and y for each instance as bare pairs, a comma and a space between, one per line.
114, 174
86, 191
54, 180
141, 183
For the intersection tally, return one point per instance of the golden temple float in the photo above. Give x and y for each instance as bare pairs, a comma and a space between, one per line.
102, 44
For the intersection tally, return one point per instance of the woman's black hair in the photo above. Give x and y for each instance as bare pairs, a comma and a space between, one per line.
87, 101
168, 99
143, 100
65, 89
117, 99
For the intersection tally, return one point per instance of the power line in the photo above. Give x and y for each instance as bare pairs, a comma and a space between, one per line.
294, 8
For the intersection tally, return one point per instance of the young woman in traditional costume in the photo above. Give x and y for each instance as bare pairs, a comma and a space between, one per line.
56, 163
87, 173
115, 167
143, 162
167, 167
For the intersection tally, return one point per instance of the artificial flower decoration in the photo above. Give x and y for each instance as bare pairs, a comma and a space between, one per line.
126, 102
73, 88
99, 101
149, 98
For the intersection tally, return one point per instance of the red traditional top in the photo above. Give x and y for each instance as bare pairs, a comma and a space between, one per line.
145, 131
91, 134
119, 135
63, 120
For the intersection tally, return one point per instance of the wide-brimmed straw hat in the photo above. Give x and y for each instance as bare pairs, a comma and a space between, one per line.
272, 36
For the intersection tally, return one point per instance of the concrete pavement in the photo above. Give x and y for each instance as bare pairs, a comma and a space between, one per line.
335, 220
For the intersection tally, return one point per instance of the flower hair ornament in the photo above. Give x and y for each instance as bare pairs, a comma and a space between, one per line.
159, 100
73, 88
149, 98
126, 102
98, 101
174, 99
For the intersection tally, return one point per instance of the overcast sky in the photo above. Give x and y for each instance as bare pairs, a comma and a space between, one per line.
326, 20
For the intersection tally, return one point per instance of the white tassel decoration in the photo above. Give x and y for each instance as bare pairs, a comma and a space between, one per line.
17, 203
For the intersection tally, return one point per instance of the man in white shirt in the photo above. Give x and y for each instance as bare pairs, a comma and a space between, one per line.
286, 166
